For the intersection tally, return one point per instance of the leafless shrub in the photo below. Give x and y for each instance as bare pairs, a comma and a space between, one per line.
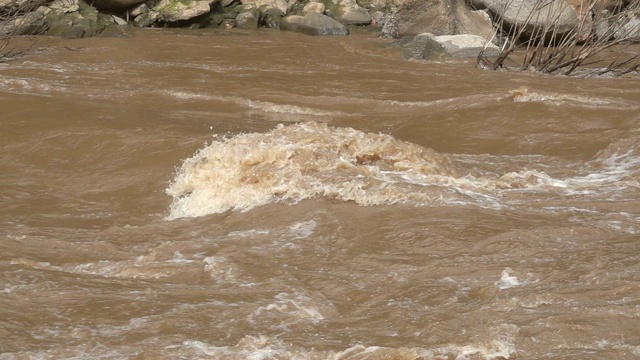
18, 17
548, 50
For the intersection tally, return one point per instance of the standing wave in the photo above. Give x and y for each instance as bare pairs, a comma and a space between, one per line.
303, 161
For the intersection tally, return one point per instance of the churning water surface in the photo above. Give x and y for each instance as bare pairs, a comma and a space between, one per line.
266, 195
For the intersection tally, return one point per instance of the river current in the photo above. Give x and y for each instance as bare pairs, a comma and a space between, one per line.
223, 194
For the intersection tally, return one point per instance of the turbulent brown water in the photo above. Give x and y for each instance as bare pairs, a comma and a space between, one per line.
267, 195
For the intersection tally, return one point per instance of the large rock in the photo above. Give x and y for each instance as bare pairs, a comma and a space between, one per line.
283, 6
439, 17
421, 48
18, 7
386, 6
347, 12
115, 4
172, 11
629, 29
313, 24
176, 10
533, 17
465, 45
248, 19
313, 7
75, 19
31, 23
429, 47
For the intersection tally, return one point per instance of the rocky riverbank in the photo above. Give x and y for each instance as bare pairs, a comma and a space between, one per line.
427, 27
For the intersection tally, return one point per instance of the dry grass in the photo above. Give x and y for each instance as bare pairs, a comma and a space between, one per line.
578, 51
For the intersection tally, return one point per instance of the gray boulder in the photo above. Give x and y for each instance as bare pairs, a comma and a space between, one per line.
386, 6
27, 24
629, 29
18, 7
313, 24
465, 45
76, 19
316, 7
421, 48
283, 6
172, 11
270, 18
347, 12
439, 17
534, 17
248, 19
432, 47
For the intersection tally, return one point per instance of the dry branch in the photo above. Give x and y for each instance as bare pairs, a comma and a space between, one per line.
547, 50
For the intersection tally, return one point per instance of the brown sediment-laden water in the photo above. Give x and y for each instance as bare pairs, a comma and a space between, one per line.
266, 195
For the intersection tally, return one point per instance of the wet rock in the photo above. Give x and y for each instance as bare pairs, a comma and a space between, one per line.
439, 17
147, 18
347, 12
421, 47
115, 30
138, 10
465, 45
432, 47
313, 24
176, 10
556, 16
270, 19
63, 21
248, 19
167, 11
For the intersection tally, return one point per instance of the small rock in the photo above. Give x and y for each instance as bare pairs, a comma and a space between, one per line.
118, 20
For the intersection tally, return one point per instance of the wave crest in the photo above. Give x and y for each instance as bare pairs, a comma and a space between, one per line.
302, 161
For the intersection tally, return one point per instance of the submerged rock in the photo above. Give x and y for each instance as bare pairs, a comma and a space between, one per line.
465, 45
421, 47
313, 24
431, 47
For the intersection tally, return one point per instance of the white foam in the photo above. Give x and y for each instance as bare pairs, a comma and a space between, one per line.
507, 280
310, 160
265, 106
296, 308
523, 94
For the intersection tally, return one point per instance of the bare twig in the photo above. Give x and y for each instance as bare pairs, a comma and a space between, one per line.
17, 18
548, 48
